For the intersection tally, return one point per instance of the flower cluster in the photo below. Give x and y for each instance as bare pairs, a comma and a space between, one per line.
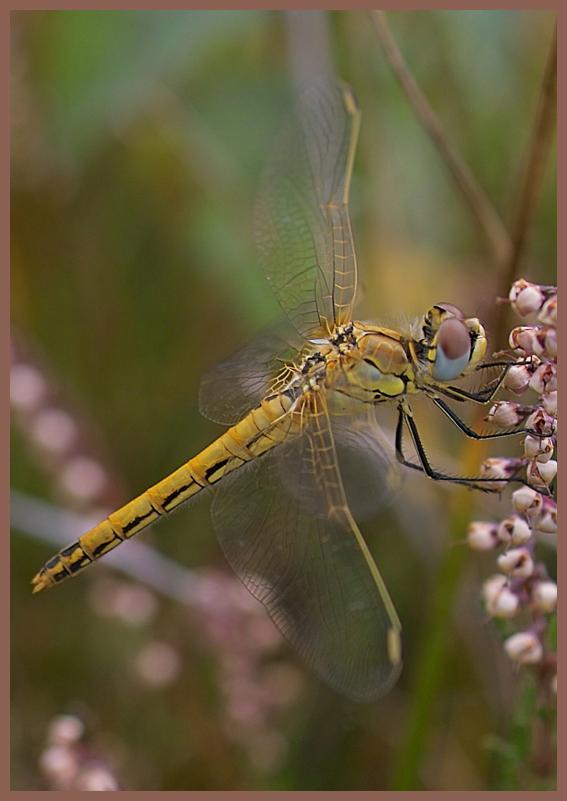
68, 762
256, 688
58, 438
522, 589
256, 685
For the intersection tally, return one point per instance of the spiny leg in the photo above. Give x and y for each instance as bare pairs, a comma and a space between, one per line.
424, 466
489, 391
400, 456
405, 417
470, 432
457, 393
482, 396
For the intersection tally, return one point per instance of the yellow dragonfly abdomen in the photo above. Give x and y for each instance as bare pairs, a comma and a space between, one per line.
264, 427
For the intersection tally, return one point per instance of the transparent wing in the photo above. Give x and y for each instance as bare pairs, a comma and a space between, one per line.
302, 226
230, 389
285, 527
371, 474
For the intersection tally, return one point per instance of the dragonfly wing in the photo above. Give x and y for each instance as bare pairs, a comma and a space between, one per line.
230, 389
286, 529
371, 474
302, 225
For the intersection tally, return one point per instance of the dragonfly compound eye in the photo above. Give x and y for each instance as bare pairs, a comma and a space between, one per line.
453, 350
454, 310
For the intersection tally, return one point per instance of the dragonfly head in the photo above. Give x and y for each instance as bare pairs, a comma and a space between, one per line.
451, 344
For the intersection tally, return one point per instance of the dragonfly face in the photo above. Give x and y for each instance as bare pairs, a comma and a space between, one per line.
451, 346
302, 455
373, 364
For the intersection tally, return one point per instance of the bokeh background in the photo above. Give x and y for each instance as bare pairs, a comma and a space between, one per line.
138, 139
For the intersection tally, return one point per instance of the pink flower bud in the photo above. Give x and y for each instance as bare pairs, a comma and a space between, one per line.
514, 531
60, 765
27, 387
540, 449
482, 536
549, 401
65, 730
505, 414
492, 586
504, 604
499, 467
541, 474
516, 562
548, 314
529, 339
499, 599
550, 342
527, 501
544, 596
542, 423
526, 298
546, 520
524, 647
544, 379
517, 378
96, 777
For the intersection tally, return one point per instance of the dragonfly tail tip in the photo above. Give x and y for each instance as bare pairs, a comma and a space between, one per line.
39, 583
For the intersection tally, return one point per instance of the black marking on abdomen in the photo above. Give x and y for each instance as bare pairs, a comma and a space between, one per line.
175, 493
212, 470
139, 519
55, 561
70, 550
79, 564
105, 546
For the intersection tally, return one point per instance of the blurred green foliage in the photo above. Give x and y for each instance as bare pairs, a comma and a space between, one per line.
138, 139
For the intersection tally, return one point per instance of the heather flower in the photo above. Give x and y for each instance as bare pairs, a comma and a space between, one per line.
513, 531
482, 536
522, 590
69, 761
526, 298
524, 648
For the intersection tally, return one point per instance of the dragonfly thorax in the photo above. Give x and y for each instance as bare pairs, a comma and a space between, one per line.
374, 364
344, 339
313, 361
369, 363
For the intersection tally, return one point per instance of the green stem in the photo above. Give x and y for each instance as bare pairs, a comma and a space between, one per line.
433, 656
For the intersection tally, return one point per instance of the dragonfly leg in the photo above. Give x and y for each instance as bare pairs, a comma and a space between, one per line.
489, 391
470, 432
482, 396
400, 456
405, 418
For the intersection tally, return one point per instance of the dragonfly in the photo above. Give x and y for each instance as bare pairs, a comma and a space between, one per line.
303, 457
